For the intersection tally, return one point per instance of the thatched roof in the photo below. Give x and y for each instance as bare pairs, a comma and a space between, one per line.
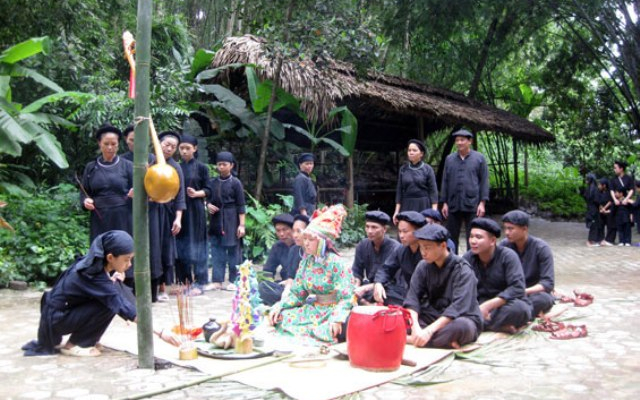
389, 100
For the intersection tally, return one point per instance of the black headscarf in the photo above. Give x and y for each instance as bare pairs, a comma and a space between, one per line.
112, 242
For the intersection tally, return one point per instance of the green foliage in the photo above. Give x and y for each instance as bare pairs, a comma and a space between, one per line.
556, 191
50, 232
261, 235
353, 226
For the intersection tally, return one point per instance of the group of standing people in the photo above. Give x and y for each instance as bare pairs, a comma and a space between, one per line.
179, 235
612, 208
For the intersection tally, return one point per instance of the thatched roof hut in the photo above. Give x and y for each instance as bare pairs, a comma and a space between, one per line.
390, 110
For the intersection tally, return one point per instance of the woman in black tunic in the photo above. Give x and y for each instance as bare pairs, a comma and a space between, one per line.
226, 204
107, 186
169, 215
85, 299
192, 239
417, 189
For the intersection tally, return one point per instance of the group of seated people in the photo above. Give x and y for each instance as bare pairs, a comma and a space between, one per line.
497, 285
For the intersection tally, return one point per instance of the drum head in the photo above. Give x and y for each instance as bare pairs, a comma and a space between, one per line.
368, 310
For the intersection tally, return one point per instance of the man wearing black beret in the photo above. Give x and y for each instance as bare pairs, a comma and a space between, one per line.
500, 279
371, 252
393, 278
305, 195
465, 186
283, 223
442, 297
536, 258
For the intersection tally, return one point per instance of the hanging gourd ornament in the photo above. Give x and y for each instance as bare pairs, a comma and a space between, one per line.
161, 181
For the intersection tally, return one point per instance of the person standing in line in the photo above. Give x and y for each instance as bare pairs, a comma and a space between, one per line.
169, 216
592, 217
107, 186
417, 188
305, 194
623, 183
606, 216
192, 239
465, 186
227, 206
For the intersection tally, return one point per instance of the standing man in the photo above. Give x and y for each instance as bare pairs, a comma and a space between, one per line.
305, 195
500, 279
372, 252
623, 183
465, 186
536, 258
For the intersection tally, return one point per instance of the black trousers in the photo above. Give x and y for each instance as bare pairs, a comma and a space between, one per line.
611, 227
515, 313
270, 292
461, 330
540, 302
86, 323
596, 230
454, 225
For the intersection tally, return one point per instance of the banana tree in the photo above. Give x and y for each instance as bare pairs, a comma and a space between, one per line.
319, 134
21, 125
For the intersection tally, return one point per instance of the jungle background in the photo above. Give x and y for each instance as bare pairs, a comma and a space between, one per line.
569, 66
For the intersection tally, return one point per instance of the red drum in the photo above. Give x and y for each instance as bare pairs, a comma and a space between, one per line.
376, 336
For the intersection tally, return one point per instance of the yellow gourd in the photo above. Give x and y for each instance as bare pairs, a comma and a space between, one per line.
161, 181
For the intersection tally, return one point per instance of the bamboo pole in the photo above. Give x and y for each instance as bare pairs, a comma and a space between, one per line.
142, 272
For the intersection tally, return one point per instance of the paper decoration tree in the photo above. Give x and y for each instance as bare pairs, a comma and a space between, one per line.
246, 315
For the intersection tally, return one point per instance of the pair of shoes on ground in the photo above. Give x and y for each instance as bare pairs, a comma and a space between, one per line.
593, 244
570, 332
605, 243
581, 299
218, 286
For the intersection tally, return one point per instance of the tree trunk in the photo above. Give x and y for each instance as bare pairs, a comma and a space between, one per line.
272, 100
142, 272
232, 18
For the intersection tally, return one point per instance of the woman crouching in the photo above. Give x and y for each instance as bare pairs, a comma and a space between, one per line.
85, 298
323, 274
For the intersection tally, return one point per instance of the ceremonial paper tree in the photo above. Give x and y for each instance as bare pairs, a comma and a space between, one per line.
245, 316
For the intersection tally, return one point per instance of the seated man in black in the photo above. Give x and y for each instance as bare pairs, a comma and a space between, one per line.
535, 257
393, 278
272, 292
500, 279
279, 252
371, 253
442, 297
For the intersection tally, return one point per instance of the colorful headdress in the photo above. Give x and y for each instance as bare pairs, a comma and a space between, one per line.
327, 224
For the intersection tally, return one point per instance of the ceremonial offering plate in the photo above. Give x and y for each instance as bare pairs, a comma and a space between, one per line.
209, 350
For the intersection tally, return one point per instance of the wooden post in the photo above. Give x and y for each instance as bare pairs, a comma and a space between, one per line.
351, 191
142, 272
526, 166
516, 189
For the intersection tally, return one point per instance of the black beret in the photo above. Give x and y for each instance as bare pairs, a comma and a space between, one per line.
604, 181
432, 232
379, 217
418, 143
433, 214
301, 217
516, 217
304, 157
225, 156
128, 130
107, 128
463, 132
164, 134
286, 219
486, 224
412, 217
189, 139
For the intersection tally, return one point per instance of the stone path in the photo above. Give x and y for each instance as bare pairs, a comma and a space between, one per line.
605, 365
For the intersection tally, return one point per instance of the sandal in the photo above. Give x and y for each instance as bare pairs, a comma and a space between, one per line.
548, 326
77, 351
582, 299
570, 332
195, 292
